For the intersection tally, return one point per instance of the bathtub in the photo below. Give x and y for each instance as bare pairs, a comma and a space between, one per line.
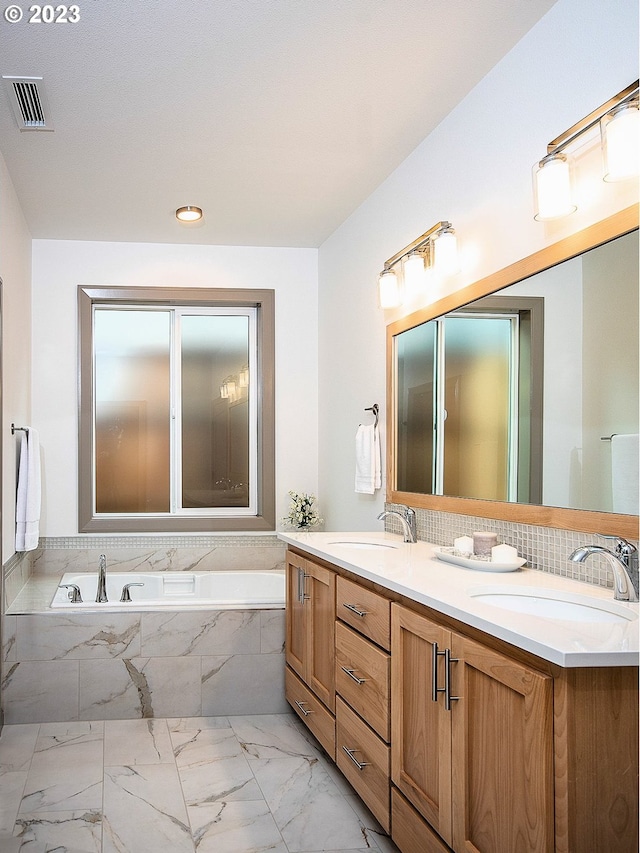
223, 590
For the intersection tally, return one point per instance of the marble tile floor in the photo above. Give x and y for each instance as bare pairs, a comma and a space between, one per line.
242, 784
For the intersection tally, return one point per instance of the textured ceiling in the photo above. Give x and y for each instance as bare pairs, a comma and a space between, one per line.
277, 117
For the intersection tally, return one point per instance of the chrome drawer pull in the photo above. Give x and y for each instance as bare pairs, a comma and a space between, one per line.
448, 698
351, 674
435, 654
302, 576
359, 764
305, 711
355, 609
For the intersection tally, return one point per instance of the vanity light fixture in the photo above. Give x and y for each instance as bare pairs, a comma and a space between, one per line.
619, 121
435, 249
620, 132
189, 213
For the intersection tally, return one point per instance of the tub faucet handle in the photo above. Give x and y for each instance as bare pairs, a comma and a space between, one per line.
74, 592
126, 595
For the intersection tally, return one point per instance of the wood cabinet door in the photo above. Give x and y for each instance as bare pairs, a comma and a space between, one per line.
320, 613
502, 748
295, 621
420, 726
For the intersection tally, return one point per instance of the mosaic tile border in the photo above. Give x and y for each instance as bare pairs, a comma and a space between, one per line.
156, 542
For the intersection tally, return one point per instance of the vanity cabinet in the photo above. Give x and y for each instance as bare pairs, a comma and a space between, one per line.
310, 645
454, 739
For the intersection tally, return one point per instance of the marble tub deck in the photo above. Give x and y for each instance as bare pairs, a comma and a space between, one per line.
240, 784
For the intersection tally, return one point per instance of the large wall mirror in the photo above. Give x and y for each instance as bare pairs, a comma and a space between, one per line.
517, 397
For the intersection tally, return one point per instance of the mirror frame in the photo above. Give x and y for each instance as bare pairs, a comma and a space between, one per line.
587, 521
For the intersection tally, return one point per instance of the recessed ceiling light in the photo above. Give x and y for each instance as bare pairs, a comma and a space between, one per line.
189, 213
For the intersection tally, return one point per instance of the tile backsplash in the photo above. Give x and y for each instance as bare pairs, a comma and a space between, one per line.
545, 549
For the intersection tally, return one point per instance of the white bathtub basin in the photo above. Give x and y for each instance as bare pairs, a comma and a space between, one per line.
214, 590
551, 604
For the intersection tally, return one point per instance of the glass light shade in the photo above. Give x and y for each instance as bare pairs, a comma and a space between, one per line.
552, 188
620, 132
413, 270
389, 294
446, 253
188, 213
243, 378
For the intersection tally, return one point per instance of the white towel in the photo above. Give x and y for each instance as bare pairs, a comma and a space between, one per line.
625, 482
368, 467
29, 490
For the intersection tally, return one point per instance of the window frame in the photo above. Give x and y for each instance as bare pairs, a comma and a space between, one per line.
263, 300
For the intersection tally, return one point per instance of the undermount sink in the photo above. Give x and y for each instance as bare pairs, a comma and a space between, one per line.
552, 604
362, 545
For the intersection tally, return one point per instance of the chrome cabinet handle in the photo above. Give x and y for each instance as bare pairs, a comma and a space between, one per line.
355, 609
351, 674
302, 576
435, 654
448, 698
305, 711
359, 764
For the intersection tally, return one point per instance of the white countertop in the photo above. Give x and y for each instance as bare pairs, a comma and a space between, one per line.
413, 571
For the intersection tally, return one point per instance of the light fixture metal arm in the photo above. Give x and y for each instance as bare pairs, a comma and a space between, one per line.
556, 145
417, 243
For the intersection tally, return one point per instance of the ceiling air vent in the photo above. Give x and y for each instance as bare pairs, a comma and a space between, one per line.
29, 102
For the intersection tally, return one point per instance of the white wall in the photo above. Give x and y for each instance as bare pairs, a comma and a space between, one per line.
15, 272
475, 170
59, 267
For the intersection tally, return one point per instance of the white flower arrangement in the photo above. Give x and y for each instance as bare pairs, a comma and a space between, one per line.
302, 513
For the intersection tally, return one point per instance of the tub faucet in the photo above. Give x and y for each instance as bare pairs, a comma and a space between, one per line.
407, 519
101, 597
622, 561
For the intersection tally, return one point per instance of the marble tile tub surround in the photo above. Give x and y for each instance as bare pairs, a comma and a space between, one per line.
546, 549
90, 666
229, 784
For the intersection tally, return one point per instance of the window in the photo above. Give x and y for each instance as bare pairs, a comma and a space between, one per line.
176, 410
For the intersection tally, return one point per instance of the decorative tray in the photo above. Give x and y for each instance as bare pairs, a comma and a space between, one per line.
476, 563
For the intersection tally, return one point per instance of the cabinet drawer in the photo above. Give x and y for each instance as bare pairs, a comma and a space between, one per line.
410, 833
364, 760
311, 711
363, 678
366, 611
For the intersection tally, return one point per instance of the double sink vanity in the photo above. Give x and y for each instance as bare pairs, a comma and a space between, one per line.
470, 710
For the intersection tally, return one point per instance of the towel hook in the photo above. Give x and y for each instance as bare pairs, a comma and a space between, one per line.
15, 429
375, 409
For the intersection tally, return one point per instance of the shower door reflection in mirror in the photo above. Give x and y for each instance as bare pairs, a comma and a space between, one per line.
463, 383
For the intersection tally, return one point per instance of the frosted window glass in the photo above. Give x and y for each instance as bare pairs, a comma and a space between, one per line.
215, 411
132, 411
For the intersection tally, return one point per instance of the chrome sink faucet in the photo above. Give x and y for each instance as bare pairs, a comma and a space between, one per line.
408, 521
622, 561
101, 596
